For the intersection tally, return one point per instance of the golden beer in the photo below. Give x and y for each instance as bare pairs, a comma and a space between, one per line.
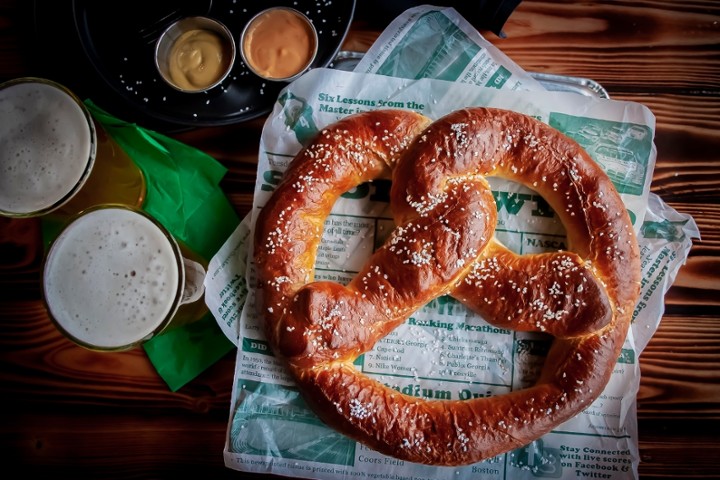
55, 157
115, 278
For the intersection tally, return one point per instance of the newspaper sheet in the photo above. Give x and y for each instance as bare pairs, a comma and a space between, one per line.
271, 429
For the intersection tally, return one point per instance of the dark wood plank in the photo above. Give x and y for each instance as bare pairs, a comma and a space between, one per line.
656, 46
680, 370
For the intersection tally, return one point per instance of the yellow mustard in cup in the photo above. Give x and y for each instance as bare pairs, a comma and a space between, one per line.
195, 54
197, 60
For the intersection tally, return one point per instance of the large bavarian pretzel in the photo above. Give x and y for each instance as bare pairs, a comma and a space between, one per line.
443, 244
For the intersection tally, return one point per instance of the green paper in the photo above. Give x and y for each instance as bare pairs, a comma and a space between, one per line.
181, 354
183, 194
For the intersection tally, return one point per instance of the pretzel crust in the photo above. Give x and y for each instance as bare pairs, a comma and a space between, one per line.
443, 244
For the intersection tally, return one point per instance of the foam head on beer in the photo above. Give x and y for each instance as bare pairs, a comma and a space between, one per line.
113, 278
47, 146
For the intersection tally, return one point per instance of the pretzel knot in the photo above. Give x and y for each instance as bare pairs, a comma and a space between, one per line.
444, 243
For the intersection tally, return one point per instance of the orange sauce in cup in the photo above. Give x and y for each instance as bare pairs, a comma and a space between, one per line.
279, 43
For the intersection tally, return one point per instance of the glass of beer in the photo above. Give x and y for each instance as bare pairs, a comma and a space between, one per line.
115, 278
55, 157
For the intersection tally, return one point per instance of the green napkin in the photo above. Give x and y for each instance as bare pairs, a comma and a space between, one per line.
183, 194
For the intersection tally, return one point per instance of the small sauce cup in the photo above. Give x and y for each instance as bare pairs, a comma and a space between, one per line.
195, 54
279, 44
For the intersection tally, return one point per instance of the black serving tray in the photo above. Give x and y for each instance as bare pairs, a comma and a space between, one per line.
104, 51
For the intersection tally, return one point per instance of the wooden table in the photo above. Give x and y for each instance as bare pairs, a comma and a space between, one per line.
67, 411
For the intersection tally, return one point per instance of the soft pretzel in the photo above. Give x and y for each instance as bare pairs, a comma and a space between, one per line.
443, 243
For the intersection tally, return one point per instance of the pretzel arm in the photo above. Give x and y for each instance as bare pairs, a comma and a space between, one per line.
435, 432
508, 290
289, 227
421, 261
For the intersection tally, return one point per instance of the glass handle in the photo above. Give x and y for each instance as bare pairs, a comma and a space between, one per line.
194, 281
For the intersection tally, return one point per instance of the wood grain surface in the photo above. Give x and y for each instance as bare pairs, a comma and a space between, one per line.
67, 411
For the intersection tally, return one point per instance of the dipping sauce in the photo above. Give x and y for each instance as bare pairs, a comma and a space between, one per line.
279, 43
198, 59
